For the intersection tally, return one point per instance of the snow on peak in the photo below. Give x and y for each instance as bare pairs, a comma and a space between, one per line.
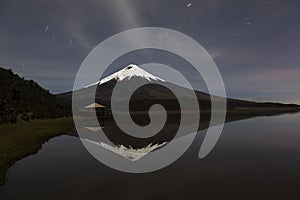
127, 73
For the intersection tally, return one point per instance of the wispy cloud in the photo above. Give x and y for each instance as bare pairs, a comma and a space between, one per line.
128, 14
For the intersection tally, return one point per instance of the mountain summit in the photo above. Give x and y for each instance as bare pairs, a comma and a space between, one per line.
127, 73
156, 93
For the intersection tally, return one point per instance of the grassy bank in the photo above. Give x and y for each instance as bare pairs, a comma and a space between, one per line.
26, 138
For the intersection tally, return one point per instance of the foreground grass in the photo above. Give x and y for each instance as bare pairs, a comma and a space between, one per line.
26, 138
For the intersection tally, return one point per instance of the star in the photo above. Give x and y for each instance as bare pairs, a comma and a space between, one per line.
246, 20
46, 28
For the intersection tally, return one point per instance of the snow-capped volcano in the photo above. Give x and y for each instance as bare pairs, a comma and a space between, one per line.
126, 74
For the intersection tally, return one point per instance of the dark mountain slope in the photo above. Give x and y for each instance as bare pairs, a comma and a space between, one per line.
28, 99
155, 93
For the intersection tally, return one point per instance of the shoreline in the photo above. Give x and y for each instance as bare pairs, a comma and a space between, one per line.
23, 139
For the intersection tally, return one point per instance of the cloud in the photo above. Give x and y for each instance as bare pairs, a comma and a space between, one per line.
127, 12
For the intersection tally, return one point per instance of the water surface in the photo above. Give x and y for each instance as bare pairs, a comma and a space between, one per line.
257, 158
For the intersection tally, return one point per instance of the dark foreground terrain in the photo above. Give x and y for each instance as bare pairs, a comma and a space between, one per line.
25, 138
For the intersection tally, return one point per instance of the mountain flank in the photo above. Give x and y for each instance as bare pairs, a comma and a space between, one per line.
154, 93
25, 99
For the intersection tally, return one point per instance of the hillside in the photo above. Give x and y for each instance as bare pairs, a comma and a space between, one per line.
26, 99
154, 93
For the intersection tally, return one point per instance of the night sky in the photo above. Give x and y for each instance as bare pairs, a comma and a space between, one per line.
255, 44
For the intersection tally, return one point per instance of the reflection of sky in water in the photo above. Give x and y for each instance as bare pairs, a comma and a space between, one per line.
256, 157
274, 133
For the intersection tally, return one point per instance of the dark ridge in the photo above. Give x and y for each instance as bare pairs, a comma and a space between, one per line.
20, 98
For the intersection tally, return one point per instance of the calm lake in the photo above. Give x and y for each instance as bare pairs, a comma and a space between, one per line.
257, 158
